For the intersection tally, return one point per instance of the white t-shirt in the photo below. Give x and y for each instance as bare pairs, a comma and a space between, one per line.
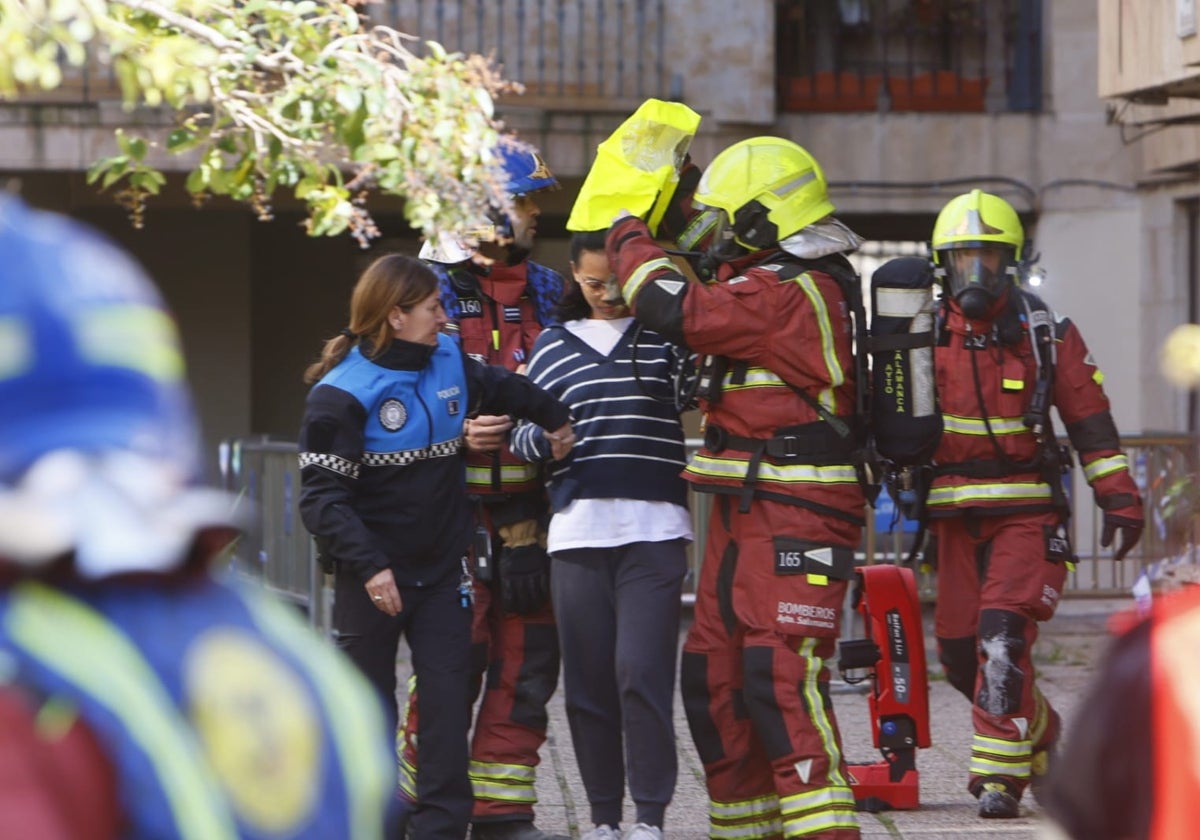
606, 523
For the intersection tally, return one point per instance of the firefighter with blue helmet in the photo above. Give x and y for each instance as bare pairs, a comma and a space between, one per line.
498, 300
997, 510
181, 706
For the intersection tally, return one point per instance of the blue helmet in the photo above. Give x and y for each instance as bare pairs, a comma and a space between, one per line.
524, 170
90, 360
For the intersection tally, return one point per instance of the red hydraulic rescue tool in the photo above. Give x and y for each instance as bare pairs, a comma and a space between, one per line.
894, 655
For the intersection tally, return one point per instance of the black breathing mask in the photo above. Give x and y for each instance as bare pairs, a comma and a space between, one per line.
977, 278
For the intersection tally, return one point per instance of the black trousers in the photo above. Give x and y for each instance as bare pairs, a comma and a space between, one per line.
618, 613
438, 630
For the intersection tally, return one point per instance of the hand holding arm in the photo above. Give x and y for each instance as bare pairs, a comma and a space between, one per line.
561, 441
487, 432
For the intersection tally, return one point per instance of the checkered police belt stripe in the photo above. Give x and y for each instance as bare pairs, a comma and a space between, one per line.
334, 463
408, 456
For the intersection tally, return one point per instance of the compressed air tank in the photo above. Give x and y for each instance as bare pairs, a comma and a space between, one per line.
905, 418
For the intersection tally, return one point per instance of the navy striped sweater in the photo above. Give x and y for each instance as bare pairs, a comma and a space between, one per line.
629, 445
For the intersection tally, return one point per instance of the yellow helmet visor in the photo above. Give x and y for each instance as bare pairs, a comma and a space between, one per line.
636, 167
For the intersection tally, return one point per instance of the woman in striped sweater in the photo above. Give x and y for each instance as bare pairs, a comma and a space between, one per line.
618, 536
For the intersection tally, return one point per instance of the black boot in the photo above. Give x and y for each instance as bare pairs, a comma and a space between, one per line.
997, 801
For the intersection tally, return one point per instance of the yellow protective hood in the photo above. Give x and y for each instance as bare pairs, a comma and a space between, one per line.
637, 167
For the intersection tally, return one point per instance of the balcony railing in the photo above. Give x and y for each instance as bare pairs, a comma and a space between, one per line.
606, 53
909, 55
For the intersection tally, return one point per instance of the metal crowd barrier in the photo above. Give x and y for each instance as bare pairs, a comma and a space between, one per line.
276, 550
280, 553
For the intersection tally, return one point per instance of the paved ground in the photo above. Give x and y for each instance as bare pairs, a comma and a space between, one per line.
1065, 654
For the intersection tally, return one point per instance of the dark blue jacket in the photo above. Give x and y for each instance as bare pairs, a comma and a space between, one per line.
383, 483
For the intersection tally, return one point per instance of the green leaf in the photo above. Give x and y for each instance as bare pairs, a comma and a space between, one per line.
181, 140
101, 166
197, 180
146, 180
113, 175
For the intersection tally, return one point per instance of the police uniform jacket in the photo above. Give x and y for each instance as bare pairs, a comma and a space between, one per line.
382, 473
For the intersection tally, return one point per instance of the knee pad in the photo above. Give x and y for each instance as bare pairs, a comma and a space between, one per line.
1002, 645
960, 661
759, 677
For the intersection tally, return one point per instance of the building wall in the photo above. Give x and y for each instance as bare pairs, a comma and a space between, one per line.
256, 301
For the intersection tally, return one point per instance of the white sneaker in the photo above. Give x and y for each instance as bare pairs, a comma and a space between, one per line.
641, 831
602, 832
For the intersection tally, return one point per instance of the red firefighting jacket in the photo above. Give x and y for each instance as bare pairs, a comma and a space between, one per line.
779, 329
988, 458
498, 314
1175, 727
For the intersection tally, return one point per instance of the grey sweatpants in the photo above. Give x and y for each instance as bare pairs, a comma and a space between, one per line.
618, 613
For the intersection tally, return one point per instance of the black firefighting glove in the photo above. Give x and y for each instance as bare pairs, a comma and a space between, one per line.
524, 568
1129, 528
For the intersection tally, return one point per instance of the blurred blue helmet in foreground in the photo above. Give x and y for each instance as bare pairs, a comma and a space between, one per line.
99, 446
89, 358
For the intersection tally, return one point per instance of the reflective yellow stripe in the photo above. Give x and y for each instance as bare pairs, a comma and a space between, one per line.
635, 280
817, 798
697, 228
713, 467
746, 831
406, 781
41, 619
958, 494
503, 782
348, 699
745, 819
1098, 377
497, 792
982, 766
755, 377
509, 474
406, 778
763, 378
837, 376
818, 714
820, 821
1000, 757
762, 805
1041, 718
975, 425
1000, 746
1105, 466
1012, 384
503, 772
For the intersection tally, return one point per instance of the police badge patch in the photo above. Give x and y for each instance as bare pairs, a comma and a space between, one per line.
393, 415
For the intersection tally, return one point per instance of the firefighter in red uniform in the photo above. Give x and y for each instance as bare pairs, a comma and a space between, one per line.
1129, 766
996, 506
779, 454
498, 300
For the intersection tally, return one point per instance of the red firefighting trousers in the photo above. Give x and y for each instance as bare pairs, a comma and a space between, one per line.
754, 679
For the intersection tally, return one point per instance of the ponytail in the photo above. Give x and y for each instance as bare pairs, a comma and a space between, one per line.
391, 280
332, 353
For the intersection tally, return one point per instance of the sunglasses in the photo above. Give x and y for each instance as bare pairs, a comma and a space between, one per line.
595, 285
